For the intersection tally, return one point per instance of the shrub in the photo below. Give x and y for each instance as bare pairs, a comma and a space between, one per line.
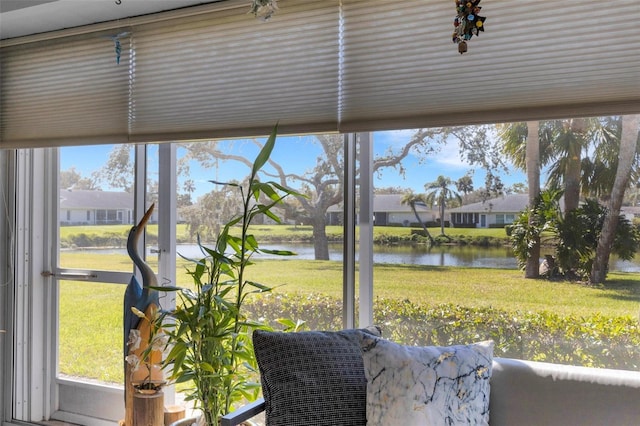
593, 341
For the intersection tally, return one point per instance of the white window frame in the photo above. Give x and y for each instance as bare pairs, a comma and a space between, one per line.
35, 392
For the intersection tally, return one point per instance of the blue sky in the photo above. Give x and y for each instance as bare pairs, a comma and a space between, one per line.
300, 156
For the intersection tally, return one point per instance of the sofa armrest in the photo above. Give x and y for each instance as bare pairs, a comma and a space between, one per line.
530, 393
243, 413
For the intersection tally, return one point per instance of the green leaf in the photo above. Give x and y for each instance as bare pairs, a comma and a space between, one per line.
265, 153
165, 288
207, 367
263, 288
278, 252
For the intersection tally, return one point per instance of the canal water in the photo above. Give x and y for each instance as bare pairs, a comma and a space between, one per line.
469, 256
463, 256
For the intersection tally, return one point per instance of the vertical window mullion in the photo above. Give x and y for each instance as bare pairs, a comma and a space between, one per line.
167, 219
34, 367
349, 238
366, 229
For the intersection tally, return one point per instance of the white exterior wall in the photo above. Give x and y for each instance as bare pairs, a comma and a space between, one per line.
79, 216
491, 218
401, 218
76, 217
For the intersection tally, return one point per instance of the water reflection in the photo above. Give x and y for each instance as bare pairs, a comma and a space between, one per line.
465, 256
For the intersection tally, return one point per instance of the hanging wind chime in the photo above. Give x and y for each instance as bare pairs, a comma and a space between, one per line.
467, 23
264, 9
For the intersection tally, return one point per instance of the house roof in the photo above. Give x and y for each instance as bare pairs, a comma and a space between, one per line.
86, 199
388, 203
513, 203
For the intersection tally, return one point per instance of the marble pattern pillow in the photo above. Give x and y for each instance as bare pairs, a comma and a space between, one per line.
411, 385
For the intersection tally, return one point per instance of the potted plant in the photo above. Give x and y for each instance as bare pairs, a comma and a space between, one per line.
208, 333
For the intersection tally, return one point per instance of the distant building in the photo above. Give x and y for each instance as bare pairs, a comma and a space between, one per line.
388, 210
85, 207
494, 212
630, 212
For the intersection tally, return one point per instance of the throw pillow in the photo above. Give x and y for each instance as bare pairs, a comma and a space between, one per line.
410, 385
312, 377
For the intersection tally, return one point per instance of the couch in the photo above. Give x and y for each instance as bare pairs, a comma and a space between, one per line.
521, 392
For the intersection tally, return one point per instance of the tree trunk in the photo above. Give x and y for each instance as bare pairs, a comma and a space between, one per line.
628, 141
320, 240
424, 227
574, 165
532, 268
442, 217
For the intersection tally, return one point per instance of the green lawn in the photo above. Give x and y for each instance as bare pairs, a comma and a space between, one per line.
91, 314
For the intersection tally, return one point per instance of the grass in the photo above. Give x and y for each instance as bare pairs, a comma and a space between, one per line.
474, 287
91, 314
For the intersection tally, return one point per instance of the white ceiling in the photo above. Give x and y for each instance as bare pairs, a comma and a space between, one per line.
25, 17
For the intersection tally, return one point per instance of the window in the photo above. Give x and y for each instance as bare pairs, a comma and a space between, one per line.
350, 87
93, 266
420, 294
469, 287
307, 286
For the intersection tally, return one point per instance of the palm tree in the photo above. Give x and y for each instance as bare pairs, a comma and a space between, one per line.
441, 193
563, 146
412, 200
628, 152
515, 138
465, 185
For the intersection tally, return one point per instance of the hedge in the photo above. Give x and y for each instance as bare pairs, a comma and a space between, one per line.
593, 341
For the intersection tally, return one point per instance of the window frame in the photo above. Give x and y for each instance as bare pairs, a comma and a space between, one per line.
37, 392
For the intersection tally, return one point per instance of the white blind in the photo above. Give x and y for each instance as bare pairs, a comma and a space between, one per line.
228, 74
535, 60
321, 65
64, 91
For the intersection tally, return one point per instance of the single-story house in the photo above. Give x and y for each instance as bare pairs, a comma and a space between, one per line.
89, 207
496, 211
503, 211
388, 210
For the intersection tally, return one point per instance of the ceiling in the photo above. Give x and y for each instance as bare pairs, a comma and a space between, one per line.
26, 17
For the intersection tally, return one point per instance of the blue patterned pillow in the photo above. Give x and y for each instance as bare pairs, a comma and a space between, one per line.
312, 378
427, 385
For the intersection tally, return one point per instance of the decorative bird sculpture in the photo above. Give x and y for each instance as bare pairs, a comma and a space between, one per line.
145, 300
135, 295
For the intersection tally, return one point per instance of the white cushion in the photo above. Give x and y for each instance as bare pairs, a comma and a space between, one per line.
409, 385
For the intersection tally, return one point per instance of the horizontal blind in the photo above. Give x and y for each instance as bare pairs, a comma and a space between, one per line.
320, 65
535, 60
228, 74
65, 91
